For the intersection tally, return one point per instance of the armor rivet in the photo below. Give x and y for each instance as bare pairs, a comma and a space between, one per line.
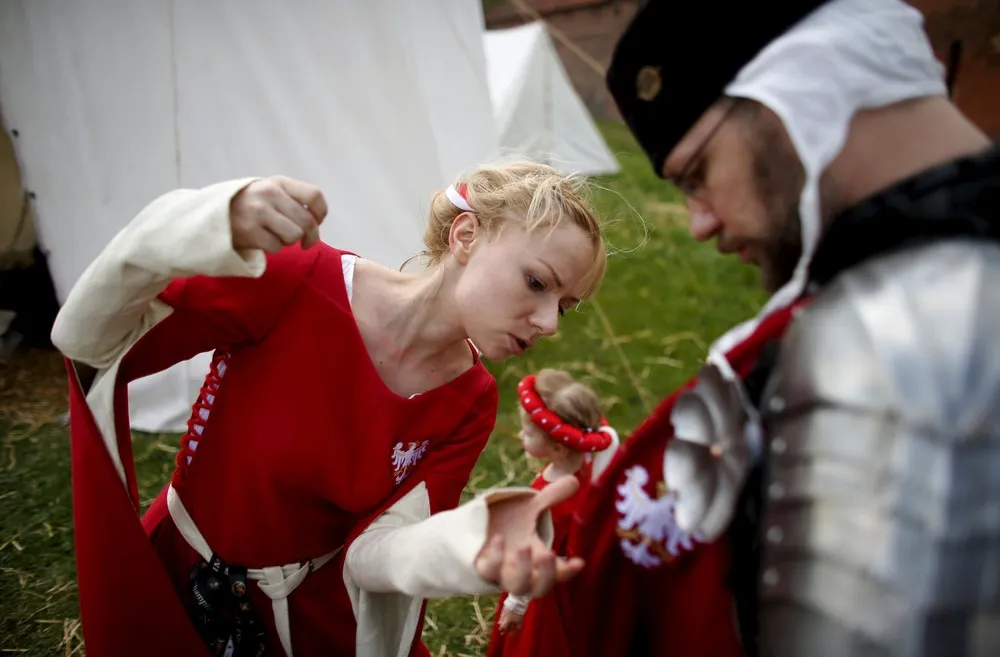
778, 445
771, 577
774, 535
776, 491
776, 404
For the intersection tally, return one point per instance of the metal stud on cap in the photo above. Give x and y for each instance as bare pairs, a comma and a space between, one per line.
648, 83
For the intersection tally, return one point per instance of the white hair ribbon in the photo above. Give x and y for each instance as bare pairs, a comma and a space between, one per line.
458, 200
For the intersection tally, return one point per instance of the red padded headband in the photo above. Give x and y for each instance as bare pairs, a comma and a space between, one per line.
590, 440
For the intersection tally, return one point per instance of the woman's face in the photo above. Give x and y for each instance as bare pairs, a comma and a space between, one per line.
515, 285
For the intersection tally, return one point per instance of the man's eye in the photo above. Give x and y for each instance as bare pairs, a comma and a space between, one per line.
692, 182
535, 283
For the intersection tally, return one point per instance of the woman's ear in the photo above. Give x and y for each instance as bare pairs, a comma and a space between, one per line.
462, 236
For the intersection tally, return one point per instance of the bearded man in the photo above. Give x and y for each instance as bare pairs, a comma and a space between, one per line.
829, 483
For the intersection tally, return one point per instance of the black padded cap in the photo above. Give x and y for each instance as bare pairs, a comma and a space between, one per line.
677, 56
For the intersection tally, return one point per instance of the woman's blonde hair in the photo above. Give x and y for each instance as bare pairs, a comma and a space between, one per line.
572, 401
534, 194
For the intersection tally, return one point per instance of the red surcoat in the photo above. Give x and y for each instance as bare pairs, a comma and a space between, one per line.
301, 447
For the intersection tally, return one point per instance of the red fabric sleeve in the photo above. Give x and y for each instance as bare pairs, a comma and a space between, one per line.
212, 313
128, 605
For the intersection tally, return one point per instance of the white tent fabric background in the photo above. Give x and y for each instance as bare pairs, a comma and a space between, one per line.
379, 103
537, 111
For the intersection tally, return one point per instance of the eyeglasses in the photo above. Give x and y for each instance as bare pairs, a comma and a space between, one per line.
681, 180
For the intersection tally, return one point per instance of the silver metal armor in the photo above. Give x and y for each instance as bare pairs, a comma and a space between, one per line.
881, 528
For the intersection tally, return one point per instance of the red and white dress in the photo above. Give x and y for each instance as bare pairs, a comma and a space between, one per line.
296, 450
548, 620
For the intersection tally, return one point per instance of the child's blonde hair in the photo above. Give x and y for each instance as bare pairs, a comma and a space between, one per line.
534, 194
572, 401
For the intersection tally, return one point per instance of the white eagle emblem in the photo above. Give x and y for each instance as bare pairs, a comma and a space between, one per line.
404, 460
648, 530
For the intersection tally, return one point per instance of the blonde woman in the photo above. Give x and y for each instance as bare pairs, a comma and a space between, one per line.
312, 509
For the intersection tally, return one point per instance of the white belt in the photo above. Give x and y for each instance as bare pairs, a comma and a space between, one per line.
277, 582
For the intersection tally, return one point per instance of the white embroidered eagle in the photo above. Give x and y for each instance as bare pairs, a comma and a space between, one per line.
650, 535
404, 460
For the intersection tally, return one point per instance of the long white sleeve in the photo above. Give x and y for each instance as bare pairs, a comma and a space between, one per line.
407, 555
182, 233
428, 556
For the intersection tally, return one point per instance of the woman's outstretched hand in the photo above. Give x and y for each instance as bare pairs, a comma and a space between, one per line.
514, 556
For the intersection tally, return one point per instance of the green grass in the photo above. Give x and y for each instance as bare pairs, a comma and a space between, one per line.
664, 300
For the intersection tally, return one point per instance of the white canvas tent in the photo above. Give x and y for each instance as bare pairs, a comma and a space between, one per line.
118, 101
537, 111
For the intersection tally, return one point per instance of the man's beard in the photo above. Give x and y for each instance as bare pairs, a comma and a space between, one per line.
783, 251
780, 178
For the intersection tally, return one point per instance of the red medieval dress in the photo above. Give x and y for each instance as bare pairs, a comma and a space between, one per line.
294, 447
541, 631
544, 627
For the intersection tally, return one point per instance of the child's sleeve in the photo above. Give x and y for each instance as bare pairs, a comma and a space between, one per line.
604, 458
516, 604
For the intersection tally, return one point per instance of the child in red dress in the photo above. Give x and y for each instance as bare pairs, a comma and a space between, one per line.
561, 423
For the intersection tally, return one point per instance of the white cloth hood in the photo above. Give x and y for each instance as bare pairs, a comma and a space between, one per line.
846, 56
